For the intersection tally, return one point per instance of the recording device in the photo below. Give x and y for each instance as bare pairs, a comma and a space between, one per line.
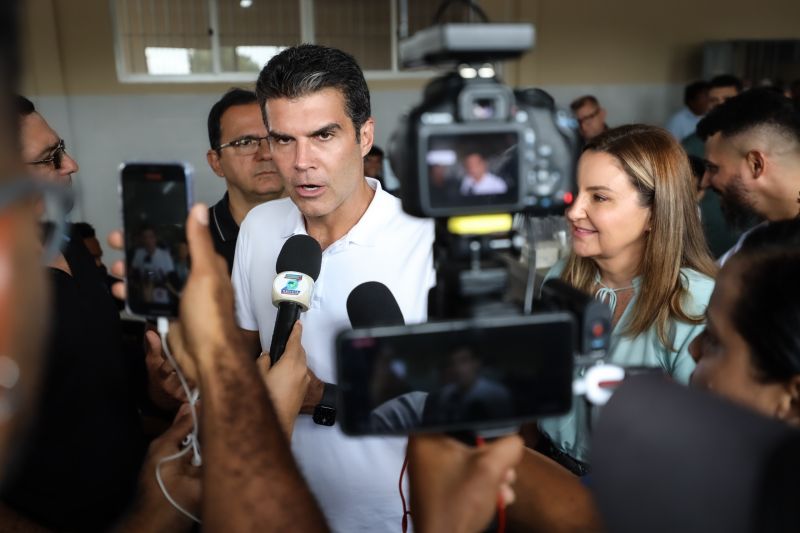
464, 375
475, 145
298, 266
156, 198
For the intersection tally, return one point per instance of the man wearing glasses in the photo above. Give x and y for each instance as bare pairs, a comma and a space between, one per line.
590, 116
42, 149
79, 467
240, 155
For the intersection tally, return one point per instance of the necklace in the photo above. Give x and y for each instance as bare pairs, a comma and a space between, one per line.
607, 293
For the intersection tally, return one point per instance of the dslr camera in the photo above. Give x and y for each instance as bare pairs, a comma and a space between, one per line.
474, 145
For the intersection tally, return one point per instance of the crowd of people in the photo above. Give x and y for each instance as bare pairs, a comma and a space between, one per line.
294, 154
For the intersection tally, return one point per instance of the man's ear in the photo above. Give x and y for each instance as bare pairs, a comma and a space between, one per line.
213, 161
756, 162
367, 136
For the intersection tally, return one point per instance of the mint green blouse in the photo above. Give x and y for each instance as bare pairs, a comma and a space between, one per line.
570, 432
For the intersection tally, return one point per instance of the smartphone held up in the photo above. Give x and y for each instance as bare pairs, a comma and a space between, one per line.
156, 198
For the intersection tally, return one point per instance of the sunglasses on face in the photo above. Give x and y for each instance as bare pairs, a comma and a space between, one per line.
55, 158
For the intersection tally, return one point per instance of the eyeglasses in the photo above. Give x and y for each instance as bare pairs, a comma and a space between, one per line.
55, 157
590, 116
245, 145
52, 202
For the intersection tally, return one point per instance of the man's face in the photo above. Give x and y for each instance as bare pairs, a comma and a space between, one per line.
699, 105
39, 141
475, 166
254, 175
724, 359
315, 149
591, 120
717, 95
727, 173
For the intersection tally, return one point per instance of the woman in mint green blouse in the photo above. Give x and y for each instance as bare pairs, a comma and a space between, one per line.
637, 244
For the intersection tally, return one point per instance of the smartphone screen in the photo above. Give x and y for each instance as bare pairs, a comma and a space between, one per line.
156, 198
455, 376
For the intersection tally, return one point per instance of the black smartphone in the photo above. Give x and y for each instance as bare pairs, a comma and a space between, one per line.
156, 198
468, 375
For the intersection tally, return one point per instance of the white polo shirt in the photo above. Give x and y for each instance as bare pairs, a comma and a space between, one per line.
353, 479
489, 184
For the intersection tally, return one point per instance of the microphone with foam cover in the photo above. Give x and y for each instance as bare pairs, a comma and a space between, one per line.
372, 304
298, 267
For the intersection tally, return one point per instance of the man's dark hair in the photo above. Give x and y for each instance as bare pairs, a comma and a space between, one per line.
693, 90
308, 68
375, 150
753, 108
698, 165
84, 230
582, 101
23, 106
725, 80
233, 97
769, 289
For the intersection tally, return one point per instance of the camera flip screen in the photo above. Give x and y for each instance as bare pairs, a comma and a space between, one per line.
472, 169
155, 203
455, 375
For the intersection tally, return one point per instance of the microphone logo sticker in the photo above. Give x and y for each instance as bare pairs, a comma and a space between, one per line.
292, 287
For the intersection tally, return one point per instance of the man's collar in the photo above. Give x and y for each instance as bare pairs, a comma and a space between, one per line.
366, 231
227, 228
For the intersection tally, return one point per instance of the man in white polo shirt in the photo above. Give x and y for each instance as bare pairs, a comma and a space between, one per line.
478, 180
316, 107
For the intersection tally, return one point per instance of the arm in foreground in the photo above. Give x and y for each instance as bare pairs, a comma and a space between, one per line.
250, 479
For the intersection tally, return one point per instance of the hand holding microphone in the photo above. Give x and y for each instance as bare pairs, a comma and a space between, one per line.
298, 267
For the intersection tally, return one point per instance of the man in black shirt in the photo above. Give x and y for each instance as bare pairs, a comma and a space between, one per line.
240, 155
79, 466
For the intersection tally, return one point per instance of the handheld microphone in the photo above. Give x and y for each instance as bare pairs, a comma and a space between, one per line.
298, 266
372, 304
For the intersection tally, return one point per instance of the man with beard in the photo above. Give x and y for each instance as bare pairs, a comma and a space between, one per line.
752, 146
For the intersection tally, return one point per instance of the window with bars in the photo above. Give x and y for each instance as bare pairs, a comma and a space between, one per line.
220, 40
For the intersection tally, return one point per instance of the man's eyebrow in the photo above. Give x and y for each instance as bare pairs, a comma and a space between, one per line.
274, 134
328, 128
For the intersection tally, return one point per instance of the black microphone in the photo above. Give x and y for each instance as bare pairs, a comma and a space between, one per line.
372, 304
297, 267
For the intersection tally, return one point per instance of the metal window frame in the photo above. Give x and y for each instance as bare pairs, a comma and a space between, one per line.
219, 76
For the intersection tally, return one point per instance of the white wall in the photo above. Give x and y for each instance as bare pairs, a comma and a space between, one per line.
101, 131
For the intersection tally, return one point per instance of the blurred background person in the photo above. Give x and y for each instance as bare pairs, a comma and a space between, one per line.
695, 100
590, 115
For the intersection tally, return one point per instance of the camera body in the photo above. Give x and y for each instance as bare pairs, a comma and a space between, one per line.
477, 146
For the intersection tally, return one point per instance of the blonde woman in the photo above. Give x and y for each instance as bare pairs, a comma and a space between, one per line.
637, 244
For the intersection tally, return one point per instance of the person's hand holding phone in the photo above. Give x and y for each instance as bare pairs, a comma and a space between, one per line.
455, 487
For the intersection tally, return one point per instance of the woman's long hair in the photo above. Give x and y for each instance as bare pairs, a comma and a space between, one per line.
659, 169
